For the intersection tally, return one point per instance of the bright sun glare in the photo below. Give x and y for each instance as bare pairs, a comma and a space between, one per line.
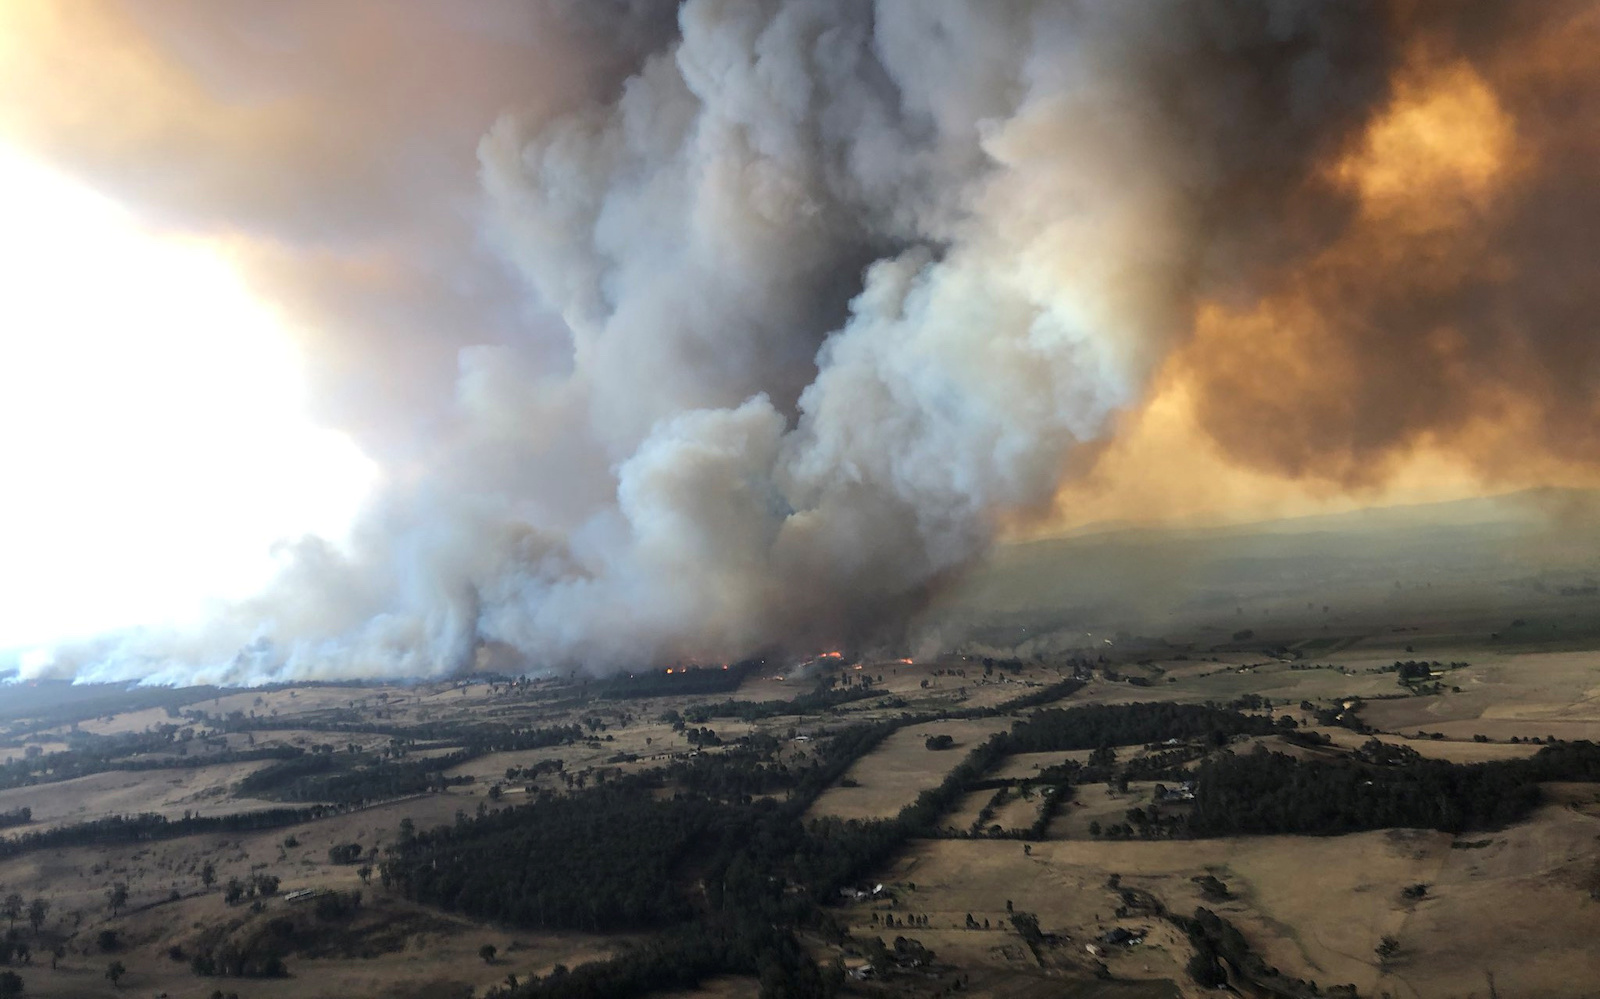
153, 441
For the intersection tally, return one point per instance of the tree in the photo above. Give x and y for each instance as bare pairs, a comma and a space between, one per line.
10, 984
38, 911
1387, 948
1206, 970
487, 952
114, 971
208, 874
364, 872
117, 896
12, 907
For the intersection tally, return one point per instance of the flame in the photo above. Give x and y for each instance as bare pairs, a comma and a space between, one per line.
831, 655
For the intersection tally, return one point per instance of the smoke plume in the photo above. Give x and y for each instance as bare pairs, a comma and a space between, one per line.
849, 288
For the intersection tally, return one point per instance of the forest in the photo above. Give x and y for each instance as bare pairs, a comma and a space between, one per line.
1266, 792
1094, 725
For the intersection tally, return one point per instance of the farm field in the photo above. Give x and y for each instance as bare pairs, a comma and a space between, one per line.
1316, 907
891, 777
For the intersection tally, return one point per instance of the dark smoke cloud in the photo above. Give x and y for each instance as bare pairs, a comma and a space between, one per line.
1456, 306
846, 288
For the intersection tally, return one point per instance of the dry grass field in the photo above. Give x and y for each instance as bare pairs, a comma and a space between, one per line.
203, 790
891, 777
1314, 907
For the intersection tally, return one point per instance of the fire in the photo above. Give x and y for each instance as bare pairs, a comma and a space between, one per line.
669, 670
905, 662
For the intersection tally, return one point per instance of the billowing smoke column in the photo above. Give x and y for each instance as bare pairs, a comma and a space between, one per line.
849, 288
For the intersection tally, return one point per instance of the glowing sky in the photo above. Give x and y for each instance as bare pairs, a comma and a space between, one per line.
153, 437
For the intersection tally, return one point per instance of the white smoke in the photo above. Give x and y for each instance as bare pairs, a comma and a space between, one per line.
847, 285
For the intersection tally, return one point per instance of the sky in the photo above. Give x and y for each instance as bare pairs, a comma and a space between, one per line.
365, 338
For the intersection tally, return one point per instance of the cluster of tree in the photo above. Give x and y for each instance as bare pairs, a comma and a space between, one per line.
1168, 764
1265, 792
258, 885
922, 817
1048, 694
684, 957
138, 751
149, 827
1218, 942
1342, 717
1571, 761
274, 778
986, 813
737, 775
1056, 791
14, 950
16, 817
48, 704
699, 737
602, 861
515, 740
258, 946
536, 770
1093, 725
681, 682
262, 957
818, 701
353, 779
1142, 823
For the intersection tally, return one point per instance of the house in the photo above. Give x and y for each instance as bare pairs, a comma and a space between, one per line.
1183, 792
1121, 937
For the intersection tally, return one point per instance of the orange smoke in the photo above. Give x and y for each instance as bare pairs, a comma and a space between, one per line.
1439, 343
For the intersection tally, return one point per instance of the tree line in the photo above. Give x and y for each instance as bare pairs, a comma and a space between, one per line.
1266, 792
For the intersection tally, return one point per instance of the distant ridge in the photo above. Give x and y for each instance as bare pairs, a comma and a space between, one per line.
1524, 506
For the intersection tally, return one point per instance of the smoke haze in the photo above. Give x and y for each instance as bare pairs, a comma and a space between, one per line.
779, 315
